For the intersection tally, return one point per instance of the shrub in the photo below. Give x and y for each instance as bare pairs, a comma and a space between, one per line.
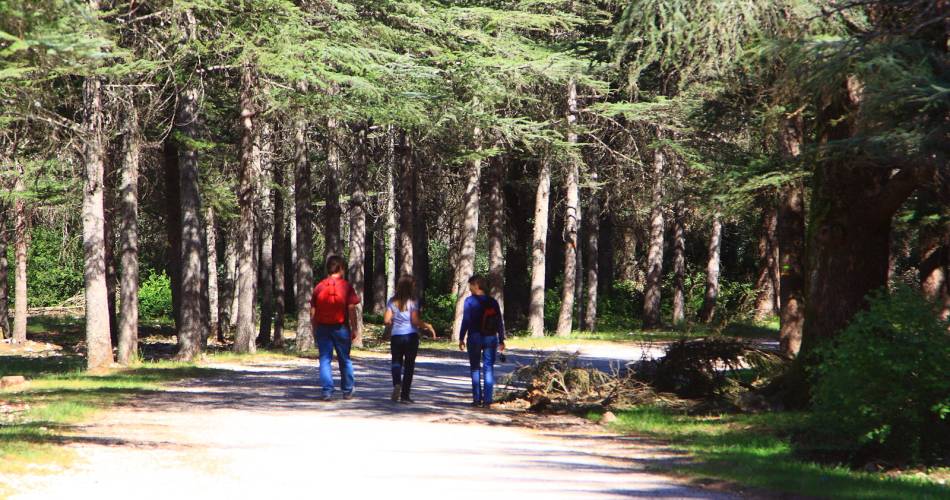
155, 297
882, 388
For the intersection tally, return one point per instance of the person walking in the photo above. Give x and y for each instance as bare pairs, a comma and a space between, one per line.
403, 318
483, 325
333, 314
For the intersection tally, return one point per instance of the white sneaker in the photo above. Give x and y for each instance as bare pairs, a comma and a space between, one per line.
396, 391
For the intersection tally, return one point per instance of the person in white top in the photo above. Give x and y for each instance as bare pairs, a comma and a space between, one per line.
404, 320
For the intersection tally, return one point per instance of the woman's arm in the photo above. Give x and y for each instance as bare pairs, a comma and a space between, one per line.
388, 317
417, 322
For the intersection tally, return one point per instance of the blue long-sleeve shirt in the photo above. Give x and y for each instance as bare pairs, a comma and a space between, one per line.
473, 311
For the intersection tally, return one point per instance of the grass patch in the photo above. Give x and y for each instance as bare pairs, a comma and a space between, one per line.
754, 450
37, 418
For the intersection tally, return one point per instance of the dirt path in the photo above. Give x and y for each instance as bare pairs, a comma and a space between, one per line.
261, 432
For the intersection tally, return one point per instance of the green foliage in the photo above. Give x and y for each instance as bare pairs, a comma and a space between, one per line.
882, 391
155, 297
54, 267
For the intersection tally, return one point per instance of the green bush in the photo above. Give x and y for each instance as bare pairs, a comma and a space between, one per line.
54, 267
882, 388
155, 297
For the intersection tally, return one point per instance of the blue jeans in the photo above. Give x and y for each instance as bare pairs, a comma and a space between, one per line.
481, 361
329, 339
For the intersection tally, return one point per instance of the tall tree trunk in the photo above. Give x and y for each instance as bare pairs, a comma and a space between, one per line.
626, 251
4, 272
279, 256
303, 211
112, 278
357, 206
332, 212
654, 278
212, 270
934, 249
228, 315
765, 299
539, 250
191, 330
592, 253
679, 263
21, 244
98, 339
404, 154
244, 340
572, 221
469, 235
379, 267
129, 240
391, 214
791, 243
708, 310
265, 224
173, 225
420, 241
496, 232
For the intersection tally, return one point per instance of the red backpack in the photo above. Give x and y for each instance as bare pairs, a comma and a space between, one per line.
491, 317
330, 305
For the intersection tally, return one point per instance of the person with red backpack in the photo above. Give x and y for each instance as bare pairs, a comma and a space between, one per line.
484, 326
333, 314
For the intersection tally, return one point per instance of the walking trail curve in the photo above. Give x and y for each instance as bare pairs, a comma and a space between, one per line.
260, 431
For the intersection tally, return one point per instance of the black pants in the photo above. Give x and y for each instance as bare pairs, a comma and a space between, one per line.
404, 349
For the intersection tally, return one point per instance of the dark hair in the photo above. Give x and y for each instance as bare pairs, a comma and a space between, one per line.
405, 290
335, 264
479, 281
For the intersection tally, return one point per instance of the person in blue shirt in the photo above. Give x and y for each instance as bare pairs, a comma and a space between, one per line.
484, 329
403, 318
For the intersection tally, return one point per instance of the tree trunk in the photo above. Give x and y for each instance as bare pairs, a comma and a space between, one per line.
227, 318
469, 235
173, 225
572, 222
391, 215
708, 310
404, 153
112, 279
496, 232
791, 244
679, 263
244, 340
98, 339
265, 224
765, 299
379, 267
934, 247
21, 244
357, 260
592, 254
303, 211
191, 330
626, 252
129, 240
538, 251
212, 270
654, 278
279, 255
332, 212
4, 272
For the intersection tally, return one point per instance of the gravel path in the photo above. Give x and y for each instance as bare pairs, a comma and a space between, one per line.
261, 432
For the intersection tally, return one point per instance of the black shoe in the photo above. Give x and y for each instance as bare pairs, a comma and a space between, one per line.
406, 399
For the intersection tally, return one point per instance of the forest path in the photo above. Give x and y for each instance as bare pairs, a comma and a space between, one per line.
261, 431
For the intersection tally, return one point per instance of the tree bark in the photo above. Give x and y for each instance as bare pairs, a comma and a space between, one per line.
4, 272
173, 225
129, 240
98, 338
572, 222
21, 244
627, 252
279, 255
391, 215
211, 265
379, 267
679, 263
654, 278
357, 206
592, 254
112, 279
404, 153
765, 285
228, 303
244, 340
332, 213
708, 310
468, 237
303, 211
496, 232
538, 251
791, 244
191, 330
265, 224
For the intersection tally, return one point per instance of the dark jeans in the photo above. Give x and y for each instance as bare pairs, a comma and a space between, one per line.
329, 339
404, 349
481, 361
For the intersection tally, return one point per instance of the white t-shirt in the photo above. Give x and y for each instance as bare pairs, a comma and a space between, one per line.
402, 320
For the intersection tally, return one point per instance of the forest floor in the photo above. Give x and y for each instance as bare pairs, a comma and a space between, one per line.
258, 429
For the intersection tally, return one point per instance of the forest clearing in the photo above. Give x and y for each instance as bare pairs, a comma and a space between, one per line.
679, 248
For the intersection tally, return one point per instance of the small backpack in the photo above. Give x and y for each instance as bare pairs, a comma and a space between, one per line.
331, 306
491, 317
